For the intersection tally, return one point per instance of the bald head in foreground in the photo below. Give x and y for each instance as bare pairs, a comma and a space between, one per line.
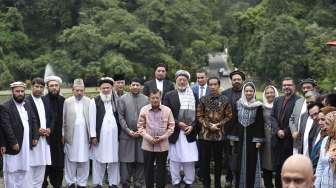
297, 172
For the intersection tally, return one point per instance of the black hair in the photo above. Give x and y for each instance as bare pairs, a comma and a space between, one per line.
154, 91
313, 104
331, 99
161, 65
136, 80
38, 80
214, 78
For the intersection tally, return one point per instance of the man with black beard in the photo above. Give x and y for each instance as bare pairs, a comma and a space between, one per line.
54, 107
19, 127
160, 82
233, 94
282, 141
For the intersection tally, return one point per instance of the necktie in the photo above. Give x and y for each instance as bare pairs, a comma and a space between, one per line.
202, 91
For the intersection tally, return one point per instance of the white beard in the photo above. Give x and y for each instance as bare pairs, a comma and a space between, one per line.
105, 98
181, 88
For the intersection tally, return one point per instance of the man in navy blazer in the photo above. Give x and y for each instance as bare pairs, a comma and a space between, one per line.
201, 89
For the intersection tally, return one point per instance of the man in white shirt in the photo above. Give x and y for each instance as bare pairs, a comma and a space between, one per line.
19, 126
75, 134
160, 82
39, 155
201, 88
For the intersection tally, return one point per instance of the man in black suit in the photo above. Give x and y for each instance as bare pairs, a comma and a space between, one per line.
40, 155
159, 82
2, 136
19, 127
282, 141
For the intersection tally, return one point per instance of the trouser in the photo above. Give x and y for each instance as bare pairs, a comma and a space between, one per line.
76, 172
17, 179
188, 169
278, 183
160, 159
98, 173
214, 148
268, 178
227, 159
55, 174
36, 176
129, 170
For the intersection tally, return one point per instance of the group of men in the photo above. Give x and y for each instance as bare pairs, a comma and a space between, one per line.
131, 135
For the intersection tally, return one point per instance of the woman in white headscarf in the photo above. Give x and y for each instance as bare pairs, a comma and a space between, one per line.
270, 93
248, 135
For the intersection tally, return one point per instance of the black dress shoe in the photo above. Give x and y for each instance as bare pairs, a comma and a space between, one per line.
177, 185
72, 186
113, 186
98, 186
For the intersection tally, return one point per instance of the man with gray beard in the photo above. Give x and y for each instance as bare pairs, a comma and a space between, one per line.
104, 131
183, 151
75, 134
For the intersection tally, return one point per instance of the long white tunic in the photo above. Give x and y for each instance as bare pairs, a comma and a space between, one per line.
78, 151
309, 125
20, 161
40, 154
183, 151
106, 151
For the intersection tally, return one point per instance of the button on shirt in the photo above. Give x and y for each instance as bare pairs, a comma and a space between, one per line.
155, 122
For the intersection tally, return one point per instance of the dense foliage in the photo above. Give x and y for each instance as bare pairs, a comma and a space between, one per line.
269, 38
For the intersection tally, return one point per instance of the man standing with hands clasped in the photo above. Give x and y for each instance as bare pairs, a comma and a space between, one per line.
156, 123
131, 159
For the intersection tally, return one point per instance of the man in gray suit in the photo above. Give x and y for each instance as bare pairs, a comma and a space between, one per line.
300, 108
75, 134
130, 153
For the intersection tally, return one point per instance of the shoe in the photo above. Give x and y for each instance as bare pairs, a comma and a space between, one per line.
72, 186
113, 186
98, 186
177, 185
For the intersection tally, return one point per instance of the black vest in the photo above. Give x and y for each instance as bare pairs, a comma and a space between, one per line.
100, 113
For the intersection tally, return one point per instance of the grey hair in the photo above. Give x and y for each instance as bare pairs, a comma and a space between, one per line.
311, 94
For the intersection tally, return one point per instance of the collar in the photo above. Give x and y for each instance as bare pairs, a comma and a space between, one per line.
158, 80
152, 109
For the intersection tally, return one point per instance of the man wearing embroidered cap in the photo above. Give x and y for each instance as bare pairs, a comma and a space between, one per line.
75, 134
104, 131
182, 143
19, 126
54, 107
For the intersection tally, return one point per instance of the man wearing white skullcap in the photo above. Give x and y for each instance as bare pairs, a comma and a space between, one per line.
182, 143
75, 135
104, 131
54, 108
19, 127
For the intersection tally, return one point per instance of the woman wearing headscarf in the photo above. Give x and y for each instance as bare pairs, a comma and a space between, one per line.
315, 152
247, 137
269, 95
325, 171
